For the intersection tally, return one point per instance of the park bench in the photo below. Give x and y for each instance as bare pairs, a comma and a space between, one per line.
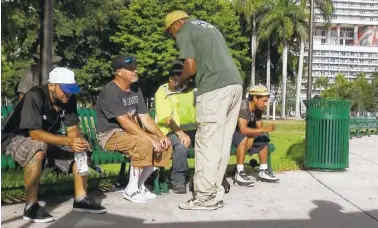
88, 118
359, 126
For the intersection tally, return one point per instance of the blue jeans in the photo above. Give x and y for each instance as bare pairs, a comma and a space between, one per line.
179, 159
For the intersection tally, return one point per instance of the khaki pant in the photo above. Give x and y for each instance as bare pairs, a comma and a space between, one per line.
139, 149
217, 114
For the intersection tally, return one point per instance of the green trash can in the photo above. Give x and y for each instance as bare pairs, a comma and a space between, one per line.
327, 134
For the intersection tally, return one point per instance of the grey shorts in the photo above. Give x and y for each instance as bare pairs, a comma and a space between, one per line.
259, 143
22, 149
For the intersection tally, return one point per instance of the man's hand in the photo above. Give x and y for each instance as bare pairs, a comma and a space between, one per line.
184, 138
78, 144
156, 144
270, 128
165, 142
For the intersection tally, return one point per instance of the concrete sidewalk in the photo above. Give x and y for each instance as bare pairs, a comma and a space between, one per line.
302, 199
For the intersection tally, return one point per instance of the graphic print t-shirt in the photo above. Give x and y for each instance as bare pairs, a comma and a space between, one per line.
113, 102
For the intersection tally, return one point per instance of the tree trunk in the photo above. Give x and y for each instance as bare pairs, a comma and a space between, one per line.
299, 82
284, 79
253, 51
268, 76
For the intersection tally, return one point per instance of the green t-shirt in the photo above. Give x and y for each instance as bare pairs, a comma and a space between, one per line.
215, 66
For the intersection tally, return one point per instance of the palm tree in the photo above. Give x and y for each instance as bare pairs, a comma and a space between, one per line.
326, 8
251, 11
285, 19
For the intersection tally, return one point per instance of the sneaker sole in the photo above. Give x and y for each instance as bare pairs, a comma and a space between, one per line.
199, 208
133, 200
89, 211
267, 180
150, 198
244, 184
38, 220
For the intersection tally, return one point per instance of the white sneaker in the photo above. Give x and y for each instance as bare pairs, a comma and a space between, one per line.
147, 193
135, 197
242, 179
265, 175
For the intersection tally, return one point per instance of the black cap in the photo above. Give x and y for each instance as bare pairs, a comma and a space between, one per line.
176, 67
124, 61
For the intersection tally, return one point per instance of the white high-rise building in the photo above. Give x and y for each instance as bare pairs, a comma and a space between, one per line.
349, 45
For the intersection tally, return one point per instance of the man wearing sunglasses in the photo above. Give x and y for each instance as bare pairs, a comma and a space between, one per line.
176, 118
207, 58
120, 107
30, 135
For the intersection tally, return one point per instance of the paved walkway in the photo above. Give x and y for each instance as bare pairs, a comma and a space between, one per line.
302, 199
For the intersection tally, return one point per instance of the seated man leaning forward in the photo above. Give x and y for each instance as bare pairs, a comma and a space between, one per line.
176, 118
251, 135
119, 107
31, 133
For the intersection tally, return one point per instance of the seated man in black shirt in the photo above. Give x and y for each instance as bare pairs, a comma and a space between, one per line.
251, 135
31, 133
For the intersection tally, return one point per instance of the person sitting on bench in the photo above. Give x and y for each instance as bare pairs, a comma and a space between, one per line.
251, 135
120, 108
31, 135
176, 118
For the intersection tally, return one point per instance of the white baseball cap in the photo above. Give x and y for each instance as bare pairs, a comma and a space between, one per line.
65, 78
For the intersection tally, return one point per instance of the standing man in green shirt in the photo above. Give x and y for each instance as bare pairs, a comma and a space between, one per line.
206, 56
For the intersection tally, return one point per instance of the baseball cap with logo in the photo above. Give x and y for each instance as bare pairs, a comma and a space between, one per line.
127, 62
65, 78
258, 91
174, 16
176, 67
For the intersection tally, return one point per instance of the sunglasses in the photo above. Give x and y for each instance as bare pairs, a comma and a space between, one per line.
129, 60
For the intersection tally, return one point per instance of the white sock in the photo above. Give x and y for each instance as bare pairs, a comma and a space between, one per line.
263, 166
239, 167
147, 171
134, 177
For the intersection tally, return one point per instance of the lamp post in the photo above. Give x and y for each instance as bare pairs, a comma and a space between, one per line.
47, 38
311, 39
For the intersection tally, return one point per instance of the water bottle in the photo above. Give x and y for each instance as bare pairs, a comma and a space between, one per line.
81, 163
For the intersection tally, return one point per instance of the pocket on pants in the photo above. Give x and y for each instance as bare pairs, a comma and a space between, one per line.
206, 126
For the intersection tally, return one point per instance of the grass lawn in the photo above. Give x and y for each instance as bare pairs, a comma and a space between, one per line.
288, 139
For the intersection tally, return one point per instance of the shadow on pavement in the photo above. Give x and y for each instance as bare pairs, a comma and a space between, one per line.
327, 214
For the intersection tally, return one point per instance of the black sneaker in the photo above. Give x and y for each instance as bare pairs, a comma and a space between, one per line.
178, 189
36, 213
88, 205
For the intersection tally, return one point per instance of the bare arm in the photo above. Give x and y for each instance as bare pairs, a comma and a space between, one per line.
185, 139
20, 96
74, 132
150, 125
172, 124
131, 126
251, 132
259, 124
189, 69
73, 139
48, 137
